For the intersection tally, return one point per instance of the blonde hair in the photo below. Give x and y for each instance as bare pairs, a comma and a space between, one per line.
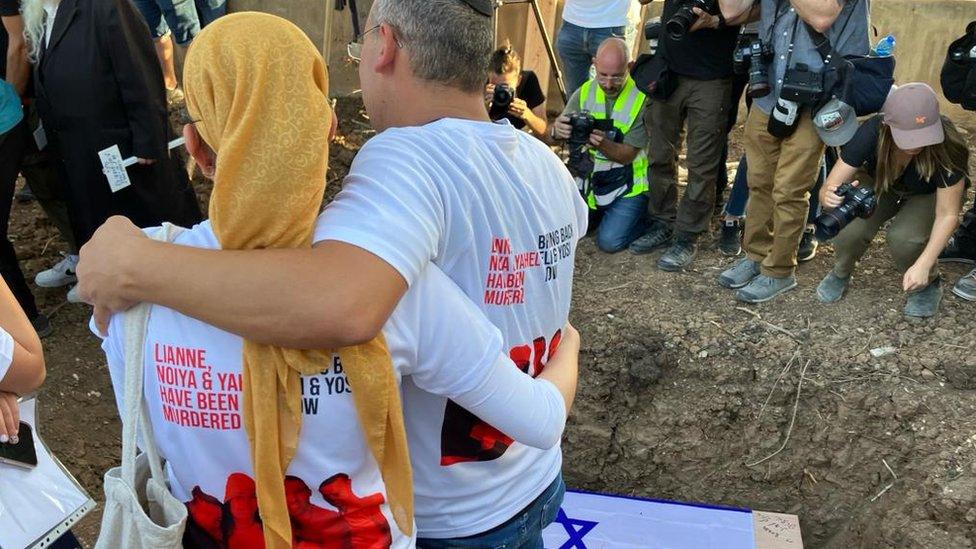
504, 60
35, 19
950, 156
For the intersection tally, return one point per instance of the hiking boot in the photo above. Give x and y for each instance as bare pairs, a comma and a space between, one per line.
73, 296
679, 255
730, 243
808, 246
959, 250
739, 274
925, 302
25, 194
966, 287
61, 274
42, 325
658, 237
763, 288
832, 288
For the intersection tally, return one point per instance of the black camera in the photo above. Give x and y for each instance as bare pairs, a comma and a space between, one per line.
858, 202
751, 57
581, 126
677, 27
501, 101
802, 85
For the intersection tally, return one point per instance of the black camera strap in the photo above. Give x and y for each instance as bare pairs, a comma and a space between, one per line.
822, 43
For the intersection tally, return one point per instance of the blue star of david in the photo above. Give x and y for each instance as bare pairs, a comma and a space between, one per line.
576, 528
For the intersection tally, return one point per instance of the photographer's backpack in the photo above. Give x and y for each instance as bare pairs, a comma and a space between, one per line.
958, 77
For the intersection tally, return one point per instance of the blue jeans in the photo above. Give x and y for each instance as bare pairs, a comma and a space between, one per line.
179, 16
210, 10
523, 531
577, 46
621, 223
736, 205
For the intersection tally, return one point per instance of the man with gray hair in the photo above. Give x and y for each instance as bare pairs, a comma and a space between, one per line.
493, 207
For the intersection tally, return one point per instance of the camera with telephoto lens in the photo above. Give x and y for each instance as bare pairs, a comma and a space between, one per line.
501, 101
679, 24
581, 126
858, 202
751, 56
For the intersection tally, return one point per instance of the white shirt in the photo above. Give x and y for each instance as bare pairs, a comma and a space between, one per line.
498, 212
6, 352
51, 8
596, 14
193, 389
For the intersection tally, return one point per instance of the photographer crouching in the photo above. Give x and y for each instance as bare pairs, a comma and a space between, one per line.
515, 94
781, 141
603, 124
915, 170
696, 90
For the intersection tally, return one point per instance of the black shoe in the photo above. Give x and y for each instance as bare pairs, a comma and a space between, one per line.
658, 237
679, 255
808, 246
25, 194
730, 243
42, 325
960, 249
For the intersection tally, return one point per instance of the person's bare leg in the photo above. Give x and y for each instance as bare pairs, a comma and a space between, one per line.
164, 51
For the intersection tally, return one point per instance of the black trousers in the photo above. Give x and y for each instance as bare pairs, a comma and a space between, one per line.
13, 147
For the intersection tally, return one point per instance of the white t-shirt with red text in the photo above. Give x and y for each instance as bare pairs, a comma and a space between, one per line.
336, 495
498, 212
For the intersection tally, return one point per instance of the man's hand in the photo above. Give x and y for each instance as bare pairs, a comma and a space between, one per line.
519, 109
597, 137
101, 267
489, 93
561, 128
705, 20
916, 277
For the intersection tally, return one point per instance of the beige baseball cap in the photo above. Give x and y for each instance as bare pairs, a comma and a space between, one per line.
912, 113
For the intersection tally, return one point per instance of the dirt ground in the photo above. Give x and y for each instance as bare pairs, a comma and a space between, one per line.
684, 394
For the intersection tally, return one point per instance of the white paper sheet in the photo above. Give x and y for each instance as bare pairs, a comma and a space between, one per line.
39, 504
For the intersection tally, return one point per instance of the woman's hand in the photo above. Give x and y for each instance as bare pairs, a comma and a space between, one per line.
571, 339
916, 277
519, 109
9, 418
829, 197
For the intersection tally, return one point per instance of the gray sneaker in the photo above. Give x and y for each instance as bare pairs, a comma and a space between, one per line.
658, 237
832, 288
763, 288
925, 302
678, 256
739, 274
966, 287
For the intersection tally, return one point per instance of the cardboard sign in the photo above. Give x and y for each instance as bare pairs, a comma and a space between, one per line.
113, 165
590, 521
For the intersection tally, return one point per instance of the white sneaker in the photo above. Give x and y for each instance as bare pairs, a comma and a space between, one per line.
59, 275
73, 296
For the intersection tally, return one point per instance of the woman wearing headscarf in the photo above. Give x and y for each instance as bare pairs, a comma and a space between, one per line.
98, 84
271, 446
917, 164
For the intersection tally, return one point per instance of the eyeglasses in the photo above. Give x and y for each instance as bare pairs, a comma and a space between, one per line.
615, 78
354, 49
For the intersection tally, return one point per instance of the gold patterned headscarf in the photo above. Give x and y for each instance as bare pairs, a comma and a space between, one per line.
259, 90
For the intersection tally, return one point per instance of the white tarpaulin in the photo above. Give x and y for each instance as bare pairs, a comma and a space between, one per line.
37, 505
594, 521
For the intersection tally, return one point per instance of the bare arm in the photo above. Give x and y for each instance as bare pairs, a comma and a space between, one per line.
26, 372
333, 295
820, 14
562, 370
18, 68
535, 119
948, 204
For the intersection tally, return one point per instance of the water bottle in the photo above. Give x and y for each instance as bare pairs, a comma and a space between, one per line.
885, 46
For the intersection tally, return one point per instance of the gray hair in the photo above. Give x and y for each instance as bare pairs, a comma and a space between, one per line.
35, 18
449, 42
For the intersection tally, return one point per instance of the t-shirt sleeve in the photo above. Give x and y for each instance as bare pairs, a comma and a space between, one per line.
862, 147
460, 356
945, 179
9, 8
6, 352
637, 136
112, 346
389, 207
530, 90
